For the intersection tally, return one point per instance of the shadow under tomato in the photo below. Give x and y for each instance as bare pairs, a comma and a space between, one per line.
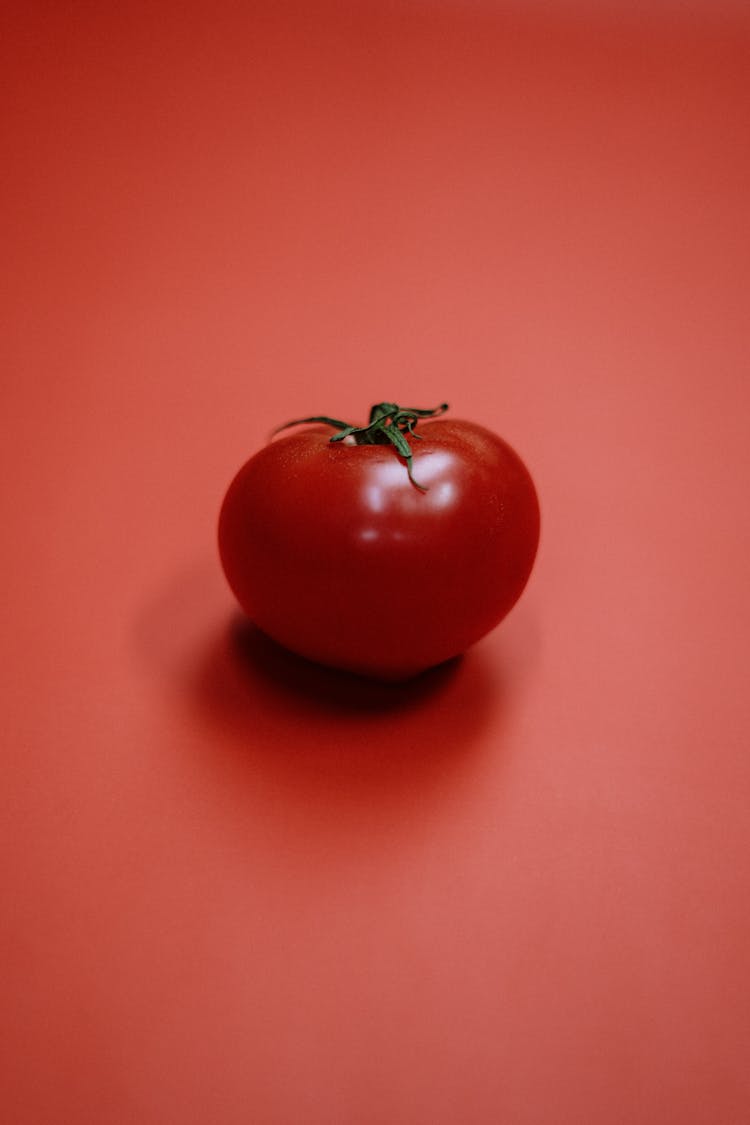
316, 726
277, 737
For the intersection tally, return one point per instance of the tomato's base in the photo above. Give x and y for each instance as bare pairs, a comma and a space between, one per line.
267, 655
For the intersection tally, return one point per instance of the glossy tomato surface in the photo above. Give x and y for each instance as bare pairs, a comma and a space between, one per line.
335, 553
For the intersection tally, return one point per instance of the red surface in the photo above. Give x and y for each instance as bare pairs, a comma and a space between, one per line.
235, 889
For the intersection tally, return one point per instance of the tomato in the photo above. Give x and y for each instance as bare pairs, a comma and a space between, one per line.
383, 549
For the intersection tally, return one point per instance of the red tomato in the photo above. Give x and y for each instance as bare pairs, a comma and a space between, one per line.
384, 558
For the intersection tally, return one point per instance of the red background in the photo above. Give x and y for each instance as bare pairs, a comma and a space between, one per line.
236, 889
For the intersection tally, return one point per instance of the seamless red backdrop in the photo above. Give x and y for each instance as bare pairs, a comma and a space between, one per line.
238, 889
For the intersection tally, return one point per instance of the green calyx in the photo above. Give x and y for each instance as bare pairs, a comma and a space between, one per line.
388, 425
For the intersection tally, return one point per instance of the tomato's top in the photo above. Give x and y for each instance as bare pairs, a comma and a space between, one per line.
388, 424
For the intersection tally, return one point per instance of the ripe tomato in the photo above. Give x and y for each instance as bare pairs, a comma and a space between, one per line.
377, 552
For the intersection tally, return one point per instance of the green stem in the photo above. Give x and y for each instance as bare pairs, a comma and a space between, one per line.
388, 424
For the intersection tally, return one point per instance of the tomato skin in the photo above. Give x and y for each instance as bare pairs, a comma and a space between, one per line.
333, 552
